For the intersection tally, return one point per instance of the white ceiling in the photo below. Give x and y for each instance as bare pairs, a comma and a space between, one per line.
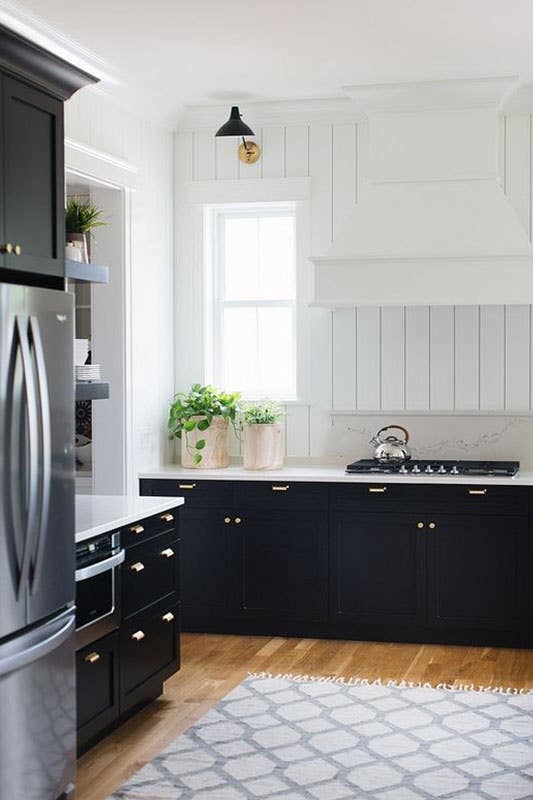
213, 51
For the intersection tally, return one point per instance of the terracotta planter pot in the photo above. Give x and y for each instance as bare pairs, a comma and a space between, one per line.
263, 446
215, 454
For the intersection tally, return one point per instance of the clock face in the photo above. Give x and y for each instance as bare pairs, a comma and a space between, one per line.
250, 153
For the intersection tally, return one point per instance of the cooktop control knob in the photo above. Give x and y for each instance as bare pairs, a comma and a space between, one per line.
416, 469
429, 469
403, 469
454, 470
442, 470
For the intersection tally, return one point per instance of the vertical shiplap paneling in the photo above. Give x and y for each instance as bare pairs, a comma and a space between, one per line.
183, 156
253, 170
517, 358
297, 431
273, 154
320, 167
320, 379
344, 173
492, 358
368, 358
466, 358
344, 358
441, 358
296, 151
393, 358
227, 160
417, 357
203, 156
517, 165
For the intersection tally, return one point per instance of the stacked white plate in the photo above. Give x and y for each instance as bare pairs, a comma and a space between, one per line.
81, 350
88, 372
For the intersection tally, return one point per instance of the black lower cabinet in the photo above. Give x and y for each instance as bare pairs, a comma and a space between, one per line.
377, 569
478, 572
284, 565
97, 693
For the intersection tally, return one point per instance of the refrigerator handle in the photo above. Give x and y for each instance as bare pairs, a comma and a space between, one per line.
16, 661
23, 347
45, 450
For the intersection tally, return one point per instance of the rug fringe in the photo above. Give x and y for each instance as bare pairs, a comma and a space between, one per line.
403, 684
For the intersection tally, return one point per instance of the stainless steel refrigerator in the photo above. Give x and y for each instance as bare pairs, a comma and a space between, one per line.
37, 590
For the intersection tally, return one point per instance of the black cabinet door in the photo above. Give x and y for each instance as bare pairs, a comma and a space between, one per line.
33, 179
97, 688
284, 564
211, 562
377, 568
150, 573
478, 572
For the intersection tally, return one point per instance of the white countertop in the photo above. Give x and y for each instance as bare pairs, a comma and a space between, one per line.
326, 474
99, 513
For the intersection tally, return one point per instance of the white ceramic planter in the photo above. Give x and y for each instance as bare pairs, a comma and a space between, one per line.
215, 454
263, 446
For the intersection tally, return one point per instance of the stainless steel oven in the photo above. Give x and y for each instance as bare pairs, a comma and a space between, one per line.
98, 563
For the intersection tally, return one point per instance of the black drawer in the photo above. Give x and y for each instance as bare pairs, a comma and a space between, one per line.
146, 528
97, 693
430, 499
280, 495
150, 572
197, 493
149, 650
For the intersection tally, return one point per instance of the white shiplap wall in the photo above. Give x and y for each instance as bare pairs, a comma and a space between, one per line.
366, 360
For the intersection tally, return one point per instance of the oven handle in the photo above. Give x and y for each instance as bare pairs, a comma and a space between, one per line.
100, 566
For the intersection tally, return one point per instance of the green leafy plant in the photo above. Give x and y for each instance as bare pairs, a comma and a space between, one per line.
82, 217
262, 412
196, 409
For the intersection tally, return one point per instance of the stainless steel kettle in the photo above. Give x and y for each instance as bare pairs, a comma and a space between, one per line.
391, 449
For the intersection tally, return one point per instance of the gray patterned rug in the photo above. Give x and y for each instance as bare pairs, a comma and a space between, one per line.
303, 739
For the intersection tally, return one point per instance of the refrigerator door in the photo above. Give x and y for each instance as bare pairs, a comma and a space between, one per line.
38, 702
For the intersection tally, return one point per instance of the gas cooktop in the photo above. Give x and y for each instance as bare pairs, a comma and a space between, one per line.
368, 466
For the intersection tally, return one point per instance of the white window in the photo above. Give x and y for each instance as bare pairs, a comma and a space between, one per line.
254, 291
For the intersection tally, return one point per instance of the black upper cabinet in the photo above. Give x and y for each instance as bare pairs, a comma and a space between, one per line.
284, 564
33, 180
478, 572
377, 568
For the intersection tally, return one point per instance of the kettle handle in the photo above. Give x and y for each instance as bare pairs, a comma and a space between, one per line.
392, 427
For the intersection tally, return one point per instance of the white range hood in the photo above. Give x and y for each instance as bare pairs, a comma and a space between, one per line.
433, 224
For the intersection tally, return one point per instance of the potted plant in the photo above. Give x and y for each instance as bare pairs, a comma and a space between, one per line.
262, 435
200, 418
80, 220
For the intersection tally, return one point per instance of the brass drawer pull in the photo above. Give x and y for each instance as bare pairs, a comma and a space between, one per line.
432, 525
227, 520
187, 486
168, 617
167, 553
137, 529
167, 517
17, 250
7, 248
138, 636
92, 658
238, 520
377, 489
420, 525
477, 491
281, 488
137, 567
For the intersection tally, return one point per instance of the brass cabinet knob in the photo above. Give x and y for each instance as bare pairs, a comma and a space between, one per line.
137, 567
420, 525
227, 520
187, 485
167, 517
238, 520
168, 552
168, 617
17, 250
92, 658
138, 636
432, 525
137, 529
6, 248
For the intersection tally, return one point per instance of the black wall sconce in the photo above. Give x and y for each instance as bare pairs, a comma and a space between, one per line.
249, 152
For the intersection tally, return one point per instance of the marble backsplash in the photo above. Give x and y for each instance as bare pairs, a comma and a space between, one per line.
469, 436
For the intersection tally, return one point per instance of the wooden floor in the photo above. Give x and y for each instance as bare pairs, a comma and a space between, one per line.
213, 665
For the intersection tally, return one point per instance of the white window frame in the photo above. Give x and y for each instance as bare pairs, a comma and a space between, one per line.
214, 216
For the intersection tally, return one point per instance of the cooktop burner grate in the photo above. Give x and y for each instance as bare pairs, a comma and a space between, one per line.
368, 466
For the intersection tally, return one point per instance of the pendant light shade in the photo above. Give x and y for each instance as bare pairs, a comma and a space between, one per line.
234, 126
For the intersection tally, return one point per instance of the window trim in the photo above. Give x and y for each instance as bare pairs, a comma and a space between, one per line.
213, 345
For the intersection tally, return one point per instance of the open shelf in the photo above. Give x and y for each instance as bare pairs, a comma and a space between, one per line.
92, 390
90, 273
